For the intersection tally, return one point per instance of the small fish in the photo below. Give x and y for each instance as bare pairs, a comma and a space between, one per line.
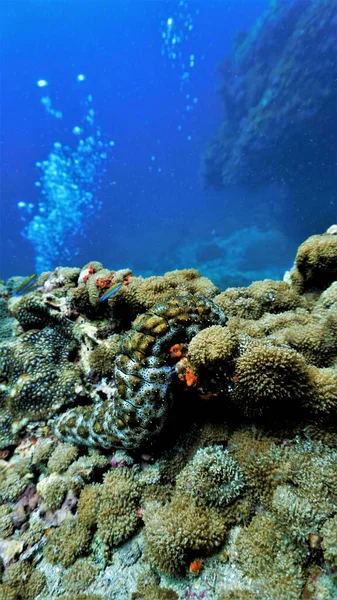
111, 291
26, 285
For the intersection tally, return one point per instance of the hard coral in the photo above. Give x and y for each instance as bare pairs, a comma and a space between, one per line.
54, 488
62, 457
213, 347
101, 359
154, 592
260, 297
6, 521
328, 299
142, 377
240, 594
13, 484
141, 294
323, 403
117, 517
211, 478
329, 542
315, 263
7, 323
25, 581
80, 575
88, 505
316, 340
67, 543
176, 532
82, 597
271, 382
265, 554
37, 379
33, 312
94, 291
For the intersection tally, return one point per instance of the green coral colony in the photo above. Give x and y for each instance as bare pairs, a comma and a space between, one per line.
190, 431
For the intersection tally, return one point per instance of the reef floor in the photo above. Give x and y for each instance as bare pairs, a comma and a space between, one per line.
162, 439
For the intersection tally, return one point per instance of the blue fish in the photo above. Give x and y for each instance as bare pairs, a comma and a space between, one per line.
26, 285
111, 291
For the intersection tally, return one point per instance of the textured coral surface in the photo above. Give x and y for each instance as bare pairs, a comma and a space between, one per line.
174, 441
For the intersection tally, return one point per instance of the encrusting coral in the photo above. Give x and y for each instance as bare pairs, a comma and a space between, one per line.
222, 407
37, 378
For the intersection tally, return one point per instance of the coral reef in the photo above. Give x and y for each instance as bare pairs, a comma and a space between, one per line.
142, 377
213, 420
23, 581
177, 532
212, 478
270, 381
36, 374
259, 298
315, 263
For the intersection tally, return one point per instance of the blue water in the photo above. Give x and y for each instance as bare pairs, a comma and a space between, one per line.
149, 210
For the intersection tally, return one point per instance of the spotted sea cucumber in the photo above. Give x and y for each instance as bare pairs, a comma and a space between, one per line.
143, 377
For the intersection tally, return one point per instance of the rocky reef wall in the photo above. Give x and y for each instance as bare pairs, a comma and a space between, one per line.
279, 97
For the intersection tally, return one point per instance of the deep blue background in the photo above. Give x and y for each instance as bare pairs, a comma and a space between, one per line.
146, 215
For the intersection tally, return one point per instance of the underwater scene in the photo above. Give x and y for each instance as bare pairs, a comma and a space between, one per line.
168, 300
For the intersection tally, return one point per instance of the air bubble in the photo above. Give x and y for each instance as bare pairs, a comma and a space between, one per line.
71, 177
